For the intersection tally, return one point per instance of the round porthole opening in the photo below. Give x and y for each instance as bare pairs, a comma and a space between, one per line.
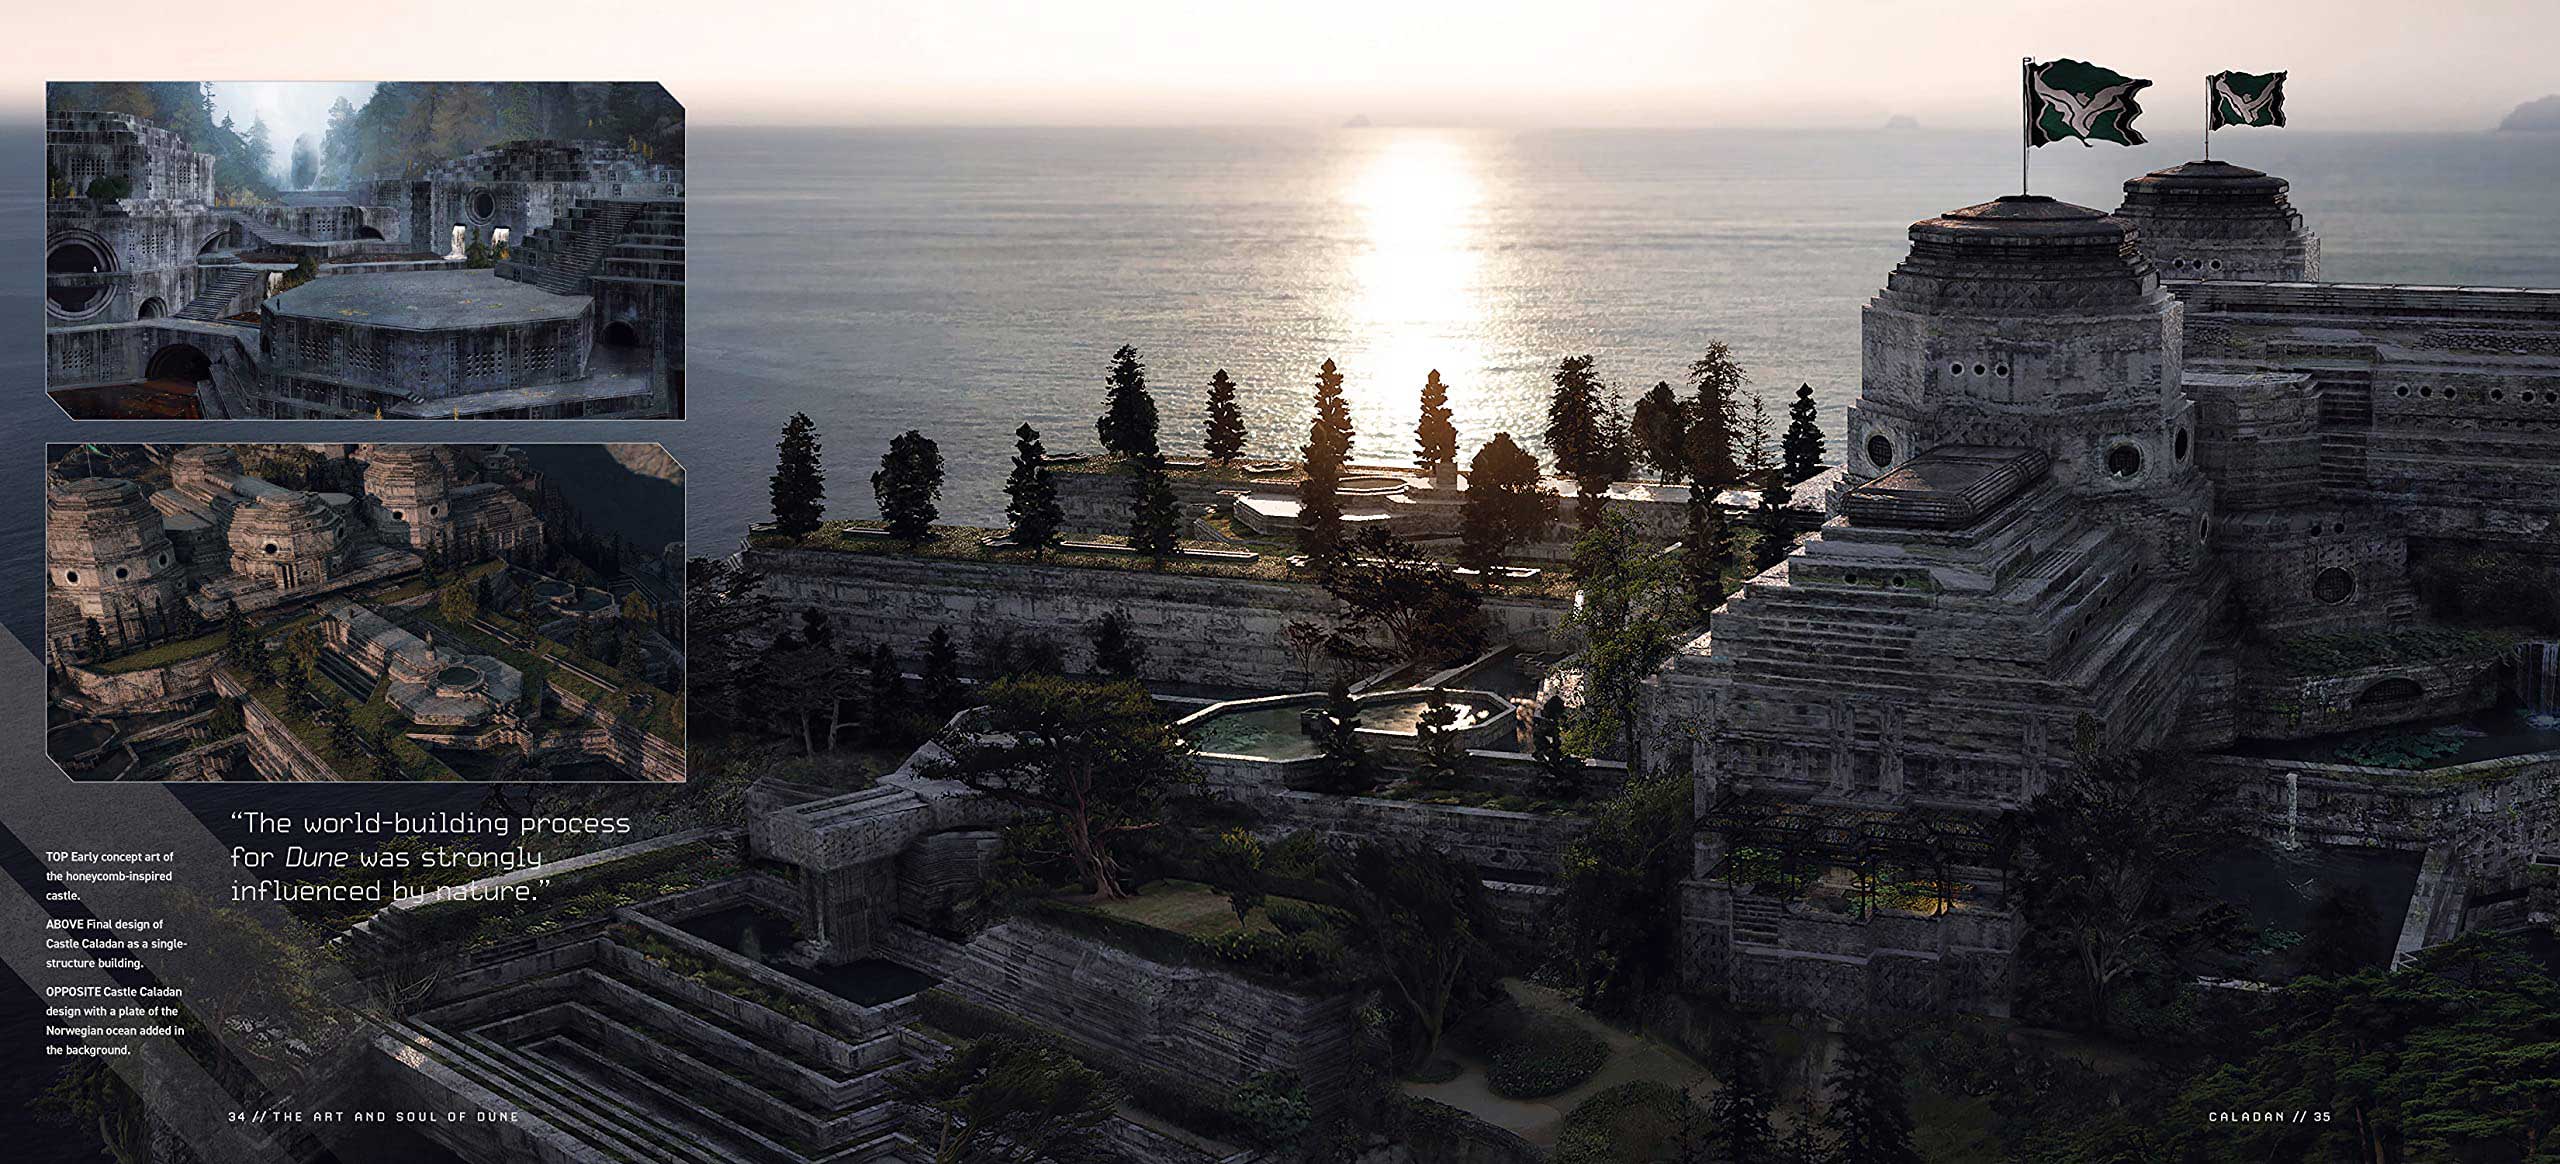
2333, 585
2124, 461
1879, 451
2182, 446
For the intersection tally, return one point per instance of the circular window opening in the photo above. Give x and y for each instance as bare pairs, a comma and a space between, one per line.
2403, 390
75, 258
1879, 451
2182, 446
121, 572
1955, 369
2333, 585
2216, 264
2124, 461
435, 511
1979, 369
2000, 370
399, 515
2426, 391
484, 206
271, 547
152, 308
2497, 394
71, 575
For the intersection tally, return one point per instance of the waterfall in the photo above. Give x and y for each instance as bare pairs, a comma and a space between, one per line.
2292, 810
2538, 680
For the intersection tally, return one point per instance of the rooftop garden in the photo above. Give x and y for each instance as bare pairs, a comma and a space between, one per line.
2346, 651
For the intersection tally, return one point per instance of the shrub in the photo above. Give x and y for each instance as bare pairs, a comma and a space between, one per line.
1548, 1057
1627, 1124
110, 187
1271, 1109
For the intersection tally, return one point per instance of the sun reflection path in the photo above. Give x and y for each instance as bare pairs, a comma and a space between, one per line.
1415, 300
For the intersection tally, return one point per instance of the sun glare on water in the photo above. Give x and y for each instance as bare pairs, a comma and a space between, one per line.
1415, 299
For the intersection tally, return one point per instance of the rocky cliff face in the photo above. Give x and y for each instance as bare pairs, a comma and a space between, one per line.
2539, 115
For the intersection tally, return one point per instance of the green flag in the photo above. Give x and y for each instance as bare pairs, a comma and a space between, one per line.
2078, 99
2246, 98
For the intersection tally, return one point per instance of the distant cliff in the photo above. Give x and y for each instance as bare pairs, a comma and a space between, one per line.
2542, 115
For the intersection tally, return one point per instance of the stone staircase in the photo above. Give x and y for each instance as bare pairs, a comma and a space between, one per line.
561, 257
1757, 920
217, 288
619, 1057
651, 247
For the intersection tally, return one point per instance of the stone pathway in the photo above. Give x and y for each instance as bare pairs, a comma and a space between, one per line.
1631, 1057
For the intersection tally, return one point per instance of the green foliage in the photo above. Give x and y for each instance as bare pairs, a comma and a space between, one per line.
1617, 921
1155, 520
1273, 1109
1661, 424
1225, 433
1507, 503
110, 187
1630, 615
1438, 755
799, 486
1421, 918
1548, 1057
939, 687
1328, 448
1706, 554
908, 482
2397, 749
1235, 865
1031, 495
1801, 449
1097, 758
2355, 650
1869, 1116
1709, 446
998, 1100
1117, 651
1385, 587
1127, 425
1435, 434
2110, 863
1640, 1122
2456, 1057
1344, 764
1586, 436
1560, 771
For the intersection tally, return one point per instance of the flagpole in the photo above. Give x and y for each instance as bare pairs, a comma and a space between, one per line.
2026, 117
2209, 99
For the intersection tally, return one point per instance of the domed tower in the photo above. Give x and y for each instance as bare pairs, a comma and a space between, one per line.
2030, 324
2215, 220
412, 489
288, 539
107, 556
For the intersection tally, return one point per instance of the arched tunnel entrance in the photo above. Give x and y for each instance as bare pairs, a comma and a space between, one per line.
183, 365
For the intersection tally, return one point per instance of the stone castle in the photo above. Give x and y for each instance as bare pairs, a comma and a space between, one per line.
161, 302
2103, 468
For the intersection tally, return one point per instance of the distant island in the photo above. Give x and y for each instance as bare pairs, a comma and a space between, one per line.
2541, 115
1902, 121
1357, 121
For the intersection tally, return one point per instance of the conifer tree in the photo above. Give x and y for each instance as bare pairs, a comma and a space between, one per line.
1117, 652
1708, 553
1715, 384
1344, 764
1507, 503
1225, 440
1559, 771
1869, 1115
1739, 1113
1435, 435
1032, 494
799, 486
909, 480
1660, 424
1327, 449
1770, 522
1155, 526
1128, 422
1803, 445
887, 693
940, 687
1578, 435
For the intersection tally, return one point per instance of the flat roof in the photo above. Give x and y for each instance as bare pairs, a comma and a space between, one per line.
425, 300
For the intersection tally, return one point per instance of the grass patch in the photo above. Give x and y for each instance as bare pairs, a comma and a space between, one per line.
1549, 1056
2329, 654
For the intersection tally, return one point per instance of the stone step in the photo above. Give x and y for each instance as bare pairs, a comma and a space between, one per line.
593, 1116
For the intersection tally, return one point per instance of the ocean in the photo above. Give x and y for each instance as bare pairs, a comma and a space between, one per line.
962, 282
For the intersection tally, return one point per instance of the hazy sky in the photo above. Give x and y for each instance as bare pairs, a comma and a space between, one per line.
2397, 64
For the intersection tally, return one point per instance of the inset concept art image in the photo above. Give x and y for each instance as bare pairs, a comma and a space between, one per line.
402, 250
365, 612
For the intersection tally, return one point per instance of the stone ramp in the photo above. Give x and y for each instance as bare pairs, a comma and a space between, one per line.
217, 288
